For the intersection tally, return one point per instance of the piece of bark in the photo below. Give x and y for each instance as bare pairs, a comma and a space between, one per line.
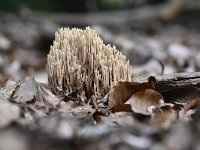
177, 80
166, 82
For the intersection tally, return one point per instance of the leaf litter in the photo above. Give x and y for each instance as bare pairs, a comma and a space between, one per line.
131, 116
38, 103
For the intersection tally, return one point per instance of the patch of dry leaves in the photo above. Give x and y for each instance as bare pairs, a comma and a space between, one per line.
139, 99
135, 110
144, 100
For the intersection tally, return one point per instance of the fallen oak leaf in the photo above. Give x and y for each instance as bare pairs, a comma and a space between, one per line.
120, 93
189, 109
45, 97
3, 80
164, 116
177, 106
122, 108
184, 110
186, 115
97, 118
82, 111
26, 91
142, 101
99, 114
145, 101
9, 112
9, 89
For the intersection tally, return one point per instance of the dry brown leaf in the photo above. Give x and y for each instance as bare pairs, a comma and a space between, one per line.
82, 111
191, 104
120, 93
65, 106
97, 118
7, 91
122, 108
45, 97
188, 109
26, 91
169, 113
9, 112
142, 101
164, 116
177, 106
3, 80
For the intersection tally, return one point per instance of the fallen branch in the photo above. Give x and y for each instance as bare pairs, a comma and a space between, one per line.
168, 82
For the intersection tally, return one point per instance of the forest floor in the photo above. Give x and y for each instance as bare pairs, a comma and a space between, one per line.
29, 114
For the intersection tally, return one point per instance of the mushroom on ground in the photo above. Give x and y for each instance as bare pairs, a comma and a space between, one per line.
79, 61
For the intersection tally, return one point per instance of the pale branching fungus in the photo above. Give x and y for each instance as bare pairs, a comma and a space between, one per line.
79, 61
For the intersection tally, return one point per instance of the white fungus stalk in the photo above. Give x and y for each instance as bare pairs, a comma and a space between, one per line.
79, 60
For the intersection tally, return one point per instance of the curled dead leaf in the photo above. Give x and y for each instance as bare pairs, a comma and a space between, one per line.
10, 87
177, 106
167, 114
82, 111
120, 93
192, 104
142, 101
9, 112
188, 110
2, 80
164, 116
45, 97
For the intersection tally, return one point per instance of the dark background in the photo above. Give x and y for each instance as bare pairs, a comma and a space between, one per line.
157, 36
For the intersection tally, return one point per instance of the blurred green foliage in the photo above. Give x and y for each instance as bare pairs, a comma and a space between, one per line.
72, 5
110, 4
45, 5
120, 4
11, 5
15, 5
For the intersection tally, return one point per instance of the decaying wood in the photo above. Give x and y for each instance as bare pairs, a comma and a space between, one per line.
168, 82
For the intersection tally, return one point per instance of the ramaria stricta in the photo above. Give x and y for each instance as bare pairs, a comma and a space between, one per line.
79, 61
